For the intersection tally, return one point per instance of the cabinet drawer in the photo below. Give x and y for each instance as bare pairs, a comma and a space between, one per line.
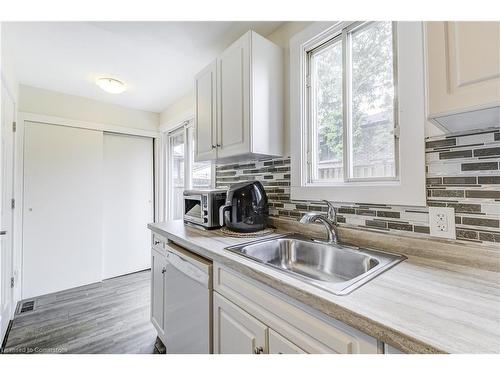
308, 329
158, 242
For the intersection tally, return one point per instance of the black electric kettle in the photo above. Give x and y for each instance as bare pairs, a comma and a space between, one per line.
246, 207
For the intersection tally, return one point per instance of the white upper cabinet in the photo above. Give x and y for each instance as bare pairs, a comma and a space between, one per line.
206, 113
244, 89
463, 67
234, 98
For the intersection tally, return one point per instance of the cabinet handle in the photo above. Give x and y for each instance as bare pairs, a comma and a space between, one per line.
157, 242
163, 270
258, 350
214, 146
218, 145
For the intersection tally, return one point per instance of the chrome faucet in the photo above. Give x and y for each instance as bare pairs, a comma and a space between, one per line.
329, 221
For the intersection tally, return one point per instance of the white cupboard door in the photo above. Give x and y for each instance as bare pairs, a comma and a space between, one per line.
463, 66
62, 211
235, 331
279, 345
234, 99
158, 269
391, 350
206, 113
127, 204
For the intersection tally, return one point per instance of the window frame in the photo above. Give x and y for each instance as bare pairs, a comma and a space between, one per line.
187, 129
343, 36
408, 186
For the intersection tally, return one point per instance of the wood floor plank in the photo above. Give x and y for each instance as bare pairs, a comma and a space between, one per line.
108, 317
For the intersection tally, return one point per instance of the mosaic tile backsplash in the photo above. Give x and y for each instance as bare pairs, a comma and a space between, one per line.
463, 172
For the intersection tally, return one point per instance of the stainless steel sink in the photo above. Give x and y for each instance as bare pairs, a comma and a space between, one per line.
336, 268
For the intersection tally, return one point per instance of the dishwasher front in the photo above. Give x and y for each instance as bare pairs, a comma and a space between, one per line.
188, 302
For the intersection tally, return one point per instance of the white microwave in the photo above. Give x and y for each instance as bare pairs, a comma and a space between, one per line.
201, 207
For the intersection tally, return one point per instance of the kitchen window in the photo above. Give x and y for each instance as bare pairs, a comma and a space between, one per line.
182, 171
351, 101
351, 140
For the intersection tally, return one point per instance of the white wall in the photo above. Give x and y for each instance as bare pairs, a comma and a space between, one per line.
51, 103
7, 68
281, 37
181, 110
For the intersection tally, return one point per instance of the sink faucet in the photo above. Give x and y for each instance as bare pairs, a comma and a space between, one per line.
329, 221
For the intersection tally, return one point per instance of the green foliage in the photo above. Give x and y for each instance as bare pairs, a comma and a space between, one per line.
372, 92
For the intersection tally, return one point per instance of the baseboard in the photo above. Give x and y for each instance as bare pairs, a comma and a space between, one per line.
4, 342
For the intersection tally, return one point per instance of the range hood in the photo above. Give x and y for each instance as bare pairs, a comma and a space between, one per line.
469, 120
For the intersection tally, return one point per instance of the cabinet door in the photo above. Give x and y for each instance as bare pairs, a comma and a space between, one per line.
206, 113
391, 350
158, 268
235, 331
279, 345
463, 66
234, 98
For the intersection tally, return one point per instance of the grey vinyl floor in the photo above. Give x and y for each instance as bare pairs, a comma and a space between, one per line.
107, 317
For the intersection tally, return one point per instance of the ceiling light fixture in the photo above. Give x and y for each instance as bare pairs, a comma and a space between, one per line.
111, 85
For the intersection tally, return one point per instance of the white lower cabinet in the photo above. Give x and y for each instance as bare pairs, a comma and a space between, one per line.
279, 345
158, 267
391, 350
235, 331
250, 317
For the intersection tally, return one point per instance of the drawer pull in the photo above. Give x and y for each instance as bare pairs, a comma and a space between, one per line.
258, 350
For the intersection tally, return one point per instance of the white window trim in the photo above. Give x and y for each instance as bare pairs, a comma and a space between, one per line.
165, 185
409, 189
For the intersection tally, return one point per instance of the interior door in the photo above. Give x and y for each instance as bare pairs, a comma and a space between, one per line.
62, 228
236, 331
206, 113
127, 203
234, 98
6, 212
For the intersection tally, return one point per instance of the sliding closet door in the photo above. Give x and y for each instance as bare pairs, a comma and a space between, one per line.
127, 204
62, 232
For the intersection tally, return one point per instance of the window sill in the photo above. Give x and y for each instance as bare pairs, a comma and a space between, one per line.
394, 194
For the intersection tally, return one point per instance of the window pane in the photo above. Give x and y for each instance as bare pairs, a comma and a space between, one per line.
202, 170
326, 112
177, 174
372, 95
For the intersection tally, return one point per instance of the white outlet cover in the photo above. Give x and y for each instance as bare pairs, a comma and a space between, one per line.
442, 222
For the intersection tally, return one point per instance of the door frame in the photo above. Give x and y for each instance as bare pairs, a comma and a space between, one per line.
23, 117
11, 182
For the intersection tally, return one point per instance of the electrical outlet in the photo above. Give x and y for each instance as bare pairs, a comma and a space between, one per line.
442, 222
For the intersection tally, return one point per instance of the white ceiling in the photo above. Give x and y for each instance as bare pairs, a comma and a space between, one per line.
157, 60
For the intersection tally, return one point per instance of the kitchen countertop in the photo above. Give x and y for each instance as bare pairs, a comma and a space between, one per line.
418, 306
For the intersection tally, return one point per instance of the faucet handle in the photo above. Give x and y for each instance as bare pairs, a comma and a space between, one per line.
332, 211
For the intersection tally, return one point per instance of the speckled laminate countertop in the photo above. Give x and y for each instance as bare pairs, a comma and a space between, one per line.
419, 306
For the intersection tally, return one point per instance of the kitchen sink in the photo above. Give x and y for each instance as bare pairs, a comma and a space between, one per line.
337, 268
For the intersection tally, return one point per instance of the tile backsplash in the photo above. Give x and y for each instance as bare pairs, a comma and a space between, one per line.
463, 172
